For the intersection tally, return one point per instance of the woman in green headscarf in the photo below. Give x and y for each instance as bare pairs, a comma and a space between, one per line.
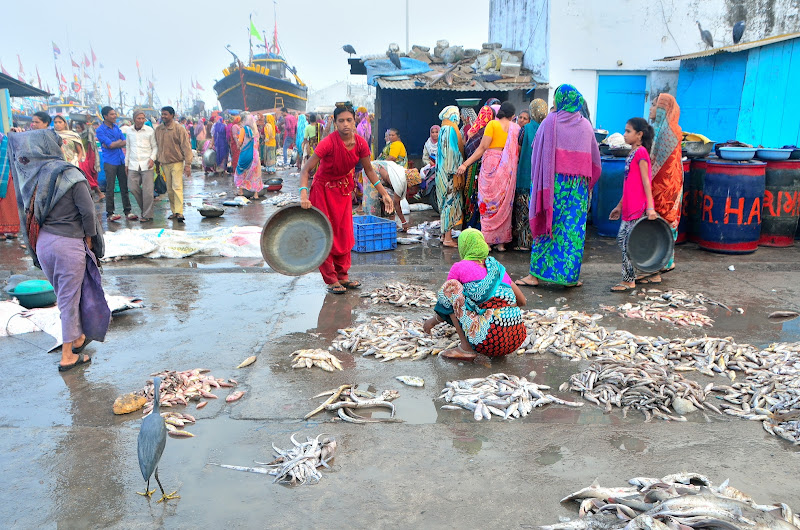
481, 301
520, 226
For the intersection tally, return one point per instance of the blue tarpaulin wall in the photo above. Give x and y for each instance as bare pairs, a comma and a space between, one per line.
384, 68
750, 96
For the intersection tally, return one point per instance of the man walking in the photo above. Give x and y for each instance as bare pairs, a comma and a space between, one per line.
112, 141
175, 157
140, 157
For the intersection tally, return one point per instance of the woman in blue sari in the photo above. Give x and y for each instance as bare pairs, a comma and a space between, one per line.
482, 303
520, 225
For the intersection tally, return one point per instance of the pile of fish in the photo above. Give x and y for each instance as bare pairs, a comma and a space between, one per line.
646, 386
283, 199
392, 338
502, 395
428, 229
767, 390
298, 465
671, 503
321, 358
402, 295
179, 388
176, 421
675, 307
344, 399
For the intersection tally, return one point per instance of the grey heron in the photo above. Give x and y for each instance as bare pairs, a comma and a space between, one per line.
150, 445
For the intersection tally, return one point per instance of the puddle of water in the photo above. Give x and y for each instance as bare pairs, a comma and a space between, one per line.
629, 444
549, 455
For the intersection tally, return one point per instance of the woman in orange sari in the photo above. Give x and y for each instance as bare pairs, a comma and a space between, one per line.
667, 169
9, 215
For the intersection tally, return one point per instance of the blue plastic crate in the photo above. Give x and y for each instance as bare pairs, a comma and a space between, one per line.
374, 234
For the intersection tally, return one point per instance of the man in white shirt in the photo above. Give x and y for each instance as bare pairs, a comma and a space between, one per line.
140, 157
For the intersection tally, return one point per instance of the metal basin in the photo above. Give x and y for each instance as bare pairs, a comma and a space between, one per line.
295, 241
650, 244
697, 149
210, 158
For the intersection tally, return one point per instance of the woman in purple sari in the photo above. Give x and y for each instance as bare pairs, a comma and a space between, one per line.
63, 235
220, 134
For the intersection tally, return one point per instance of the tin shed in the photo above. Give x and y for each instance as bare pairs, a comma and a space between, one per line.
747, 92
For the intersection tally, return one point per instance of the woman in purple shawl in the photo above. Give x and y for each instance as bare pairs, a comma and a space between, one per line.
63, 234
566, 165
220, 133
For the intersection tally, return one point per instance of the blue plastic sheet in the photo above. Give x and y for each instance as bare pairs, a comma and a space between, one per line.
384, 68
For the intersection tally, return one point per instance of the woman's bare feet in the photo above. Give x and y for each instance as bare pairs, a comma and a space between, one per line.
429, 324
460, 353
448, 241
500, 248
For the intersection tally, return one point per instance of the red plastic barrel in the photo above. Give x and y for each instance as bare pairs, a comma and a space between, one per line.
683, 225
730, 211
694, 198
780, 209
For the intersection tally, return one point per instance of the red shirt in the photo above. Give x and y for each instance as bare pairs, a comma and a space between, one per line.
336, 161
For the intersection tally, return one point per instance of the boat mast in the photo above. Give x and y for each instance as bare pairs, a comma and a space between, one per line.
250, 36
275, 48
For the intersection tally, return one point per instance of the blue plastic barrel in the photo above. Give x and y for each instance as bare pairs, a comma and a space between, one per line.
730, 210
683, 225
606, 195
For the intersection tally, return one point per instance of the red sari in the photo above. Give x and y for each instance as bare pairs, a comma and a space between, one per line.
331, 193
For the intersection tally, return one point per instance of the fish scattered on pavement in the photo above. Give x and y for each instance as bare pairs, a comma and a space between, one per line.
234, 396
346, 398
646, 386
676, 501
181, 387
283, 199
402, 295
297, 465
783, 316
502, 395
395, 337
411, 380
321, 358
176, 421
247, 362
428, 229
675, 307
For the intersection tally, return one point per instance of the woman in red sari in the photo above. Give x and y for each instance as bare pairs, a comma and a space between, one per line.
337, 155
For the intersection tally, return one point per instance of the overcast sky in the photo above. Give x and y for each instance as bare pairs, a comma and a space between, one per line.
178, 40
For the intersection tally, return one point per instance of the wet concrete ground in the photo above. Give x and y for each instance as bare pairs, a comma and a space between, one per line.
68, 462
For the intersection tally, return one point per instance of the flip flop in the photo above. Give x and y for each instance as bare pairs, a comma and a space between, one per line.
350, 284
664, 271
619, 288
80, 361
86, 342
522, 282
333, 290
648, 280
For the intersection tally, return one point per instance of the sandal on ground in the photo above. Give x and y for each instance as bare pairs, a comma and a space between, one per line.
179, 217
82, 347
458, 354
647, 281
522, 282
171, 216
621, 288
340, 289
132, 217
497, 249
664, 271
114, 217
576, 284
80, 361
350, 284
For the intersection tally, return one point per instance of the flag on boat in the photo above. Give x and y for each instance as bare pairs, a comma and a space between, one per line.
94, 57
56, 51
3, 69
86, 62
198, 87
122, 77
254, 32
74, 64
21, 69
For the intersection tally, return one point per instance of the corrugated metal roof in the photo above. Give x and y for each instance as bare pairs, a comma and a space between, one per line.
734, 47
19, 89
474, 86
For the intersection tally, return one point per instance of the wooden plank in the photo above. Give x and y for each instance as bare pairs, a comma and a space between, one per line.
790, 127
763, 89
745, 128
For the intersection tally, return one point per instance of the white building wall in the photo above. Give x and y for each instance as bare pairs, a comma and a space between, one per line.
585, 38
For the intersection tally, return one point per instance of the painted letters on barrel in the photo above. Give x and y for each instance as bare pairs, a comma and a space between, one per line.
694, 202
781, 206
683, 225
730, 210
606, 195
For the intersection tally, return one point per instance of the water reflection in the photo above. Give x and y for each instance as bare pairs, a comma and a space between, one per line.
89, 495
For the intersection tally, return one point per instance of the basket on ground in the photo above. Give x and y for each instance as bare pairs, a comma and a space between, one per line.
373, 234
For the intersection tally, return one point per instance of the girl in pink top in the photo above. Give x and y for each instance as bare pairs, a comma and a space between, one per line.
637, 196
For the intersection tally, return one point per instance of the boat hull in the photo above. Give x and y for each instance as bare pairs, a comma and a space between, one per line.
261, 91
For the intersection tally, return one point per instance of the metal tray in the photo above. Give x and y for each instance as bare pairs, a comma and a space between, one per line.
295, 241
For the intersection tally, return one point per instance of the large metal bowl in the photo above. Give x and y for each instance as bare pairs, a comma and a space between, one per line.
697, 149
650, 244
210, 158
295, 241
